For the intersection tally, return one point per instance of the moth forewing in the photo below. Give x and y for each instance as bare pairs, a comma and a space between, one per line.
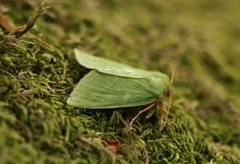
98, 91
108, 66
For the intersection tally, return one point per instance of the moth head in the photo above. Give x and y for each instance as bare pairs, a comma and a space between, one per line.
159, 84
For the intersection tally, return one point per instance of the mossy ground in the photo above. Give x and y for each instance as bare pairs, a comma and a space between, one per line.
37, 73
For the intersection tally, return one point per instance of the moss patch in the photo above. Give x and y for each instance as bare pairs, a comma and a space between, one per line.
38, 71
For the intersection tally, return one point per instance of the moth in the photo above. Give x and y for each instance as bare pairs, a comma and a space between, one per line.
110, 84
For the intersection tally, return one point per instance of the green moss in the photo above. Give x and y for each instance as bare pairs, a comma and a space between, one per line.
38, 71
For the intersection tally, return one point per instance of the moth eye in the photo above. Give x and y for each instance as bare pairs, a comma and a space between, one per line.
156, 78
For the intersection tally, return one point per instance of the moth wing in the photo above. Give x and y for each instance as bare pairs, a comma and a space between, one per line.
99, 90
108, 66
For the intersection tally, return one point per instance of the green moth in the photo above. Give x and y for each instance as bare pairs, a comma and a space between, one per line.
114, 85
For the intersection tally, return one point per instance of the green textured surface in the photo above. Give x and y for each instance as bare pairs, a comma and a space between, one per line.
38, 71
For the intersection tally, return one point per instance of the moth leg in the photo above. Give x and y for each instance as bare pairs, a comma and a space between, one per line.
168, 111
161, 109
140, 112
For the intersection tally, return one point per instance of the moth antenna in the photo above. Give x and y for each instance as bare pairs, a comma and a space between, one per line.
142, 111
168, 111
170, 99
172, 73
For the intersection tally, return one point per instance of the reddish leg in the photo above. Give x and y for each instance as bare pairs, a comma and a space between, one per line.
142, 111
168, 110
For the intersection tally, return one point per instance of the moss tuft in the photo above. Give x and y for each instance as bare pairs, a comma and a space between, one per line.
38, 71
